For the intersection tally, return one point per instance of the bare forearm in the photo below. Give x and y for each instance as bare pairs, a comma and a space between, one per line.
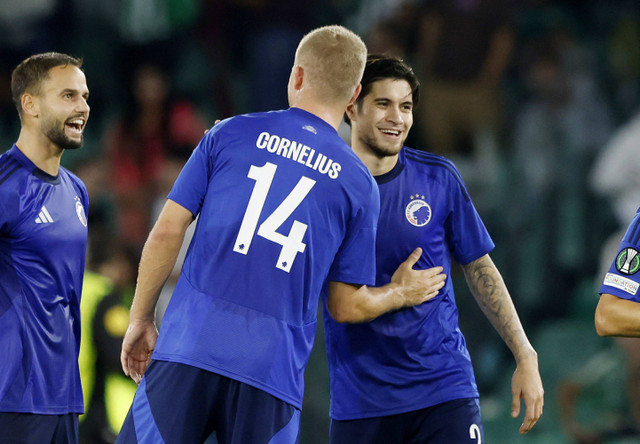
491, 294
156, 264
364, 303
617, 317
408, 287
158, 259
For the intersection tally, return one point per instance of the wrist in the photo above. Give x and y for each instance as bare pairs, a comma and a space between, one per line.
137, 317
527, 356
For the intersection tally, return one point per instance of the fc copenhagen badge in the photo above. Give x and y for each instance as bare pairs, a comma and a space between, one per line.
628, 261
80, 212
418, 212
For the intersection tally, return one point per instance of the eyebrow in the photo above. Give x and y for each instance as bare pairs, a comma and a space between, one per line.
74, 91
386, 99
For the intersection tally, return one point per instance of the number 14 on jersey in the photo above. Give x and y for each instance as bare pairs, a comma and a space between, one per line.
291, 243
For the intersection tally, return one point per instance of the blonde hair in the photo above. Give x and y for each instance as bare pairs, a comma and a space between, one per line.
333, 59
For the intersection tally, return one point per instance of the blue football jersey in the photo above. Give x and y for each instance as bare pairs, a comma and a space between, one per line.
622, 279
43, 238
283, 205
415, 357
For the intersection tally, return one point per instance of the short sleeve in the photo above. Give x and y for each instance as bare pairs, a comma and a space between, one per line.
623, 278
355, 261
190, 187
467, 234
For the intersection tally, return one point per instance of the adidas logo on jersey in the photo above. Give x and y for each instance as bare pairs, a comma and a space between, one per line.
44, 217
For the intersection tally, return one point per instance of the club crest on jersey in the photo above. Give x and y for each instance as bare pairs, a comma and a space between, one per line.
628, 261
418, 212
80, 212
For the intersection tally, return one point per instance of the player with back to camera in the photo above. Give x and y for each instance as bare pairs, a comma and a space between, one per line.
283, 206
43, 238
407, 377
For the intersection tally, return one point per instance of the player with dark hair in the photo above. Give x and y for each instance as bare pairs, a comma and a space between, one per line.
43, 238
618, 310
283, 206
407, 376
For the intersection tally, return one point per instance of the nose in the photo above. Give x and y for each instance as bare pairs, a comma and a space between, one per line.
394, 115
83, 106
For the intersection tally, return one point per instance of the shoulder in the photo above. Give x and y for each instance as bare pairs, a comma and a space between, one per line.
9, 165
430, 163
73, 178
239, 126
436, 168
11, 174
12, 180
249, 120
76, 182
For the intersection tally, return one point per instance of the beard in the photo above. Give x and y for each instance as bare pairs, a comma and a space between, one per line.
381, 151
55, 133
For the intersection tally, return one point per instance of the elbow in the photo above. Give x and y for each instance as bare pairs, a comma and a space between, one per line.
604, 325
339, 314
165, 232
345, 314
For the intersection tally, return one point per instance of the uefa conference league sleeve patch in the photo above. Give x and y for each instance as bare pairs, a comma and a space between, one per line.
627, 263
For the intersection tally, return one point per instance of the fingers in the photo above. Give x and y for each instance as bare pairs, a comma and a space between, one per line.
515, 405
433, 271
533, 412
136, 369
124, 361
529, 422
413, 257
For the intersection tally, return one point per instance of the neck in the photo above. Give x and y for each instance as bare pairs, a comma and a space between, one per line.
330, 113
41, 151
375, 163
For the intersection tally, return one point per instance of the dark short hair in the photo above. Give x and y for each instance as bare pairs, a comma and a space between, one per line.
381, 67
30, 73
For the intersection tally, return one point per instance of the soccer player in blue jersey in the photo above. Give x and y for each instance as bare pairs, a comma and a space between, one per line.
43, 237
406, 377
618, 310
284, 207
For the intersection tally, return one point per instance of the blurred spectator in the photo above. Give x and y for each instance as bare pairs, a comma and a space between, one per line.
101, 209
27, 27
464, 48
624, 58
558, 131
153, 128
616, 171
106, 297
388, 26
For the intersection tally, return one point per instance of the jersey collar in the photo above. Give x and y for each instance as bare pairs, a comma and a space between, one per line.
390, 175
30, 166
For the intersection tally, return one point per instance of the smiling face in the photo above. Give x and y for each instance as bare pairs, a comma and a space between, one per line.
381, 122
62, 106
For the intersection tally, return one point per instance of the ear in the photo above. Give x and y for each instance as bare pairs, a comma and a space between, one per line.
351, 111
298, 77
356, 93
29, 105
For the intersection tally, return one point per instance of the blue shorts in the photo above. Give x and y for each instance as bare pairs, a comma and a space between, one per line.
456, 421
30, 428
181, 404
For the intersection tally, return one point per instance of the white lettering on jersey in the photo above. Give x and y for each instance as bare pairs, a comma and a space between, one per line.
474, 433
300, 153
292, 243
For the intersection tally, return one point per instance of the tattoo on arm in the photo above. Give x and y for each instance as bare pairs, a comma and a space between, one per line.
491, 294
